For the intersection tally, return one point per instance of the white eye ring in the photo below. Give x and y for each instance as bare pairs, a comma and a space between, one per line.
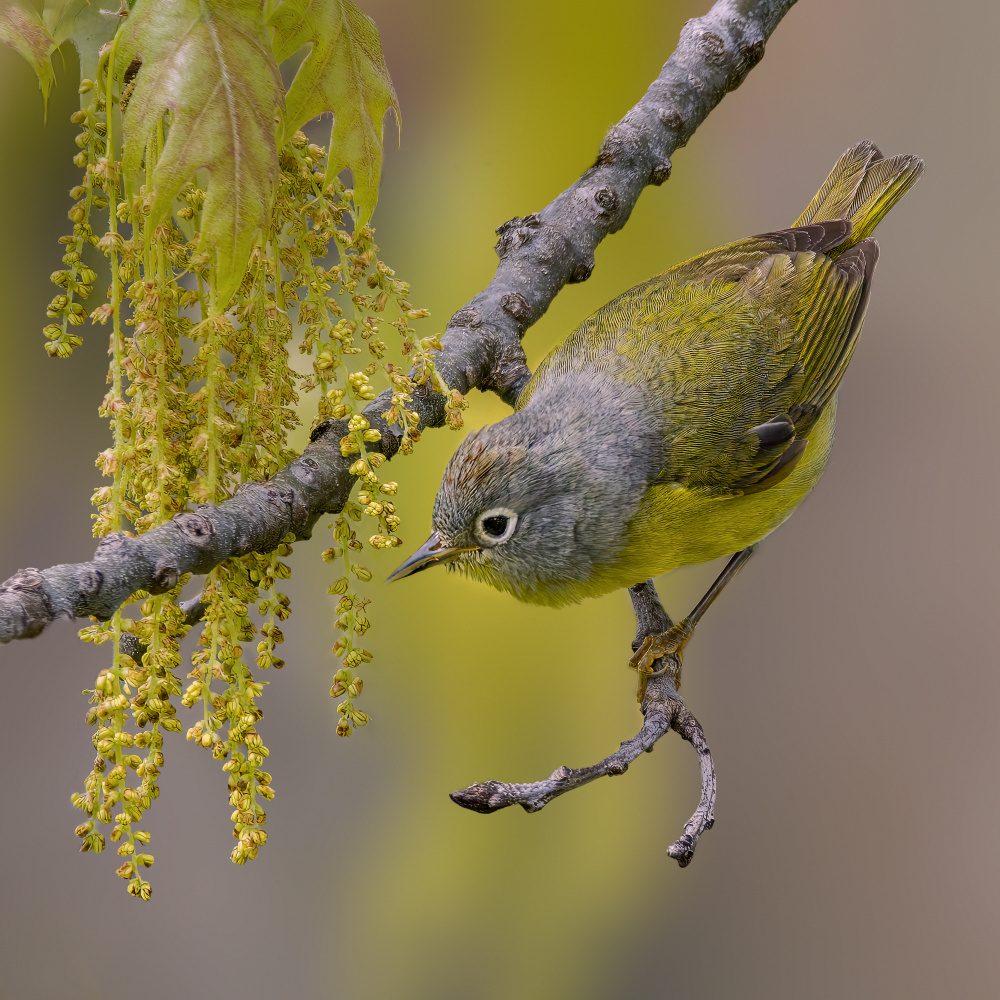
488, 538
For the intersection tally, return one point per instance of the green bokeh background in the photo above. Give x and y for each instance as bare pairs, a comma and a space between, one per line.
847, 681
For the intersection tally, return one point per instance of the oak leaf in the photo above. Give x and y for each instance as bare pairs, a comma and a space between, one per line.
36, 36
22, 28
345, 73
86, 25
210, 65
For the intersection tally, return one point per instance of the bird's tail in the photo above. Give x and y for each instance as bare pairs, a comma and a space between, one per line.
862, 187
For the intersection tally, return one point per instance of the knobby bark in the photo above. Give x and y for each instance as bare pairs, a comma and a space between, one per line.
538, 255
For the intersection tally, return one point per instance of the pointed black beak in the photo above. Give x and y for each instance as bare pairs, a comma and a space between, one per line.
434, 550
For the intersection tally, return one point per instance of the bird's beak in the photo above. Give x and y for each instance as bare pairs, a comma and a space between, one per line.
434, 550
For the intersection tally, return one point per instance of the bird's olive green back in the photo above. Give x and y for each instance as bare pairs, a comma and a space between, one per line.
746, 333
722, 344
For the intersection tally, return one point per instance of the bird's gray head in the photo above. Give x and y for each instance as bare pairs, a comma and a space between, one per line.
530, 505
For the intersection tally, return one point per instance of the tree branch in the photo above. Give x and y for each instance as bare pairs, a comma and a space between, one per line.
539, 254
663, 709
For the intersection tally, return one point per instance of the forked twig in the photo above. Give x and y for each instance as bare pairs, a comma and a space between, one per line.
663, 710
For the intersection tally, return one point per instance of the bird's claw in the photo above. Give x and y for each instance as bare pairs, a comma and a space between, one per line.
666, 644
669, 643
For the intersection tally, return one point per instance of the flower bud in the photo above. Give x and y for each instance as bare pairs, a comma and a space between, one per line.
57, 306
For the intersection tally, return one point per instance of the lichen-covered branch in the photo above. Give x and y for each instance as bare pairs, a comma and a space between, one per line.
663, 709
539, 254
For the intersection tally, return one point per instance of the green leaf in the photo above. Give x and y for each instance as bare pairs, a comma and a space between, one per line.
86, 25
23, 30
210, 64
59, 16
344, 73
36, 36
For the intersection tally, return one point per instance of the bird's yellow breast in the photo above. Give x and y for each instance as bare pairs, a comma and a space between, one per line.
680, 526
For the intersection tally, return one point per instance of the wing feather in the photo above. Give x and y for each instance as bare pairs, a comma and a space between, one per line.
783, 335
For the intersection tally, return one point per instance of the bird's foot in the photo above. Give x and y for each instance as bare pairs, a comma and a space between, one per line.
668, 646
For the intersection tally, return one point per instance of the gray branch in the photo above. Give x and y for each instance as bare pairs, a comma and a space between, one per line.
663, 709
539, 254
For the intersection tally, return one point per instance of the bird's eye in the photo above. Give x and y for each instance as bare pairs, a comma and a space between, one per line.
496, 526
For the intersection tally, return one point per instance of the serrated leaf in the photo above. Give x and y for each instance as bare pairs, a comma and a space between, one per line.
23, 30
345, 73
210, 64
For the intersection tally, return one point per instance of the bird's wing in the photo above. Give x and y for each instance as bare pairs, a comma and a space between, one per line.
755, 338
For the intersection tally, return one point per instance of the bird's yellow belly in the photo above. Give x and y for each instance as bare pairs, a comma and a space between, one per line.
675, 526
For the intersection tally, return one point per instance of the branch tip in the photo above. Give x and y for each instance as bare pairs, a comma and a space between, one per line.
663, 710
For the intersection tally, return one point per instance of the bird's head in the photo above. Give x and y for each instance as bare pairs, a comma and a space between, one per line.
521, 508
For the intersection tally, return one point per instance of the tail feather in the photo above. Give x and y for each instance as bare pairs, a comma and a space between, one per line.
834, 198
862, 187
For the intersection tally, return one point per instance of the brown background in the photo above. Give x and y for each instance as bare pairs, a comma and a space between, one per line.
848, 681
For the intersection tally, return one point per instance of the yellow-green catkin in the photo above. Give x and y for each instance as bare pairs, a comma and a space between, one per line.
201, 401
76, 280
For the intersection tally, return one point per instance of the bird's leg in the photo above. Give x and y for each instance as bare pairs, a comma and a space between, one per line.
670, 642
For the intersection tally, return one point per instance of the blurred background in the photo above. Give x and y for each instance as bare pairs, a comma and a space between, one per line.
847, 681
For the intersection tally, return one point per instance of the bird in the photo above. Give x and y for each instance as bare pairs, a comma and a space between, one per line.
682, 422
